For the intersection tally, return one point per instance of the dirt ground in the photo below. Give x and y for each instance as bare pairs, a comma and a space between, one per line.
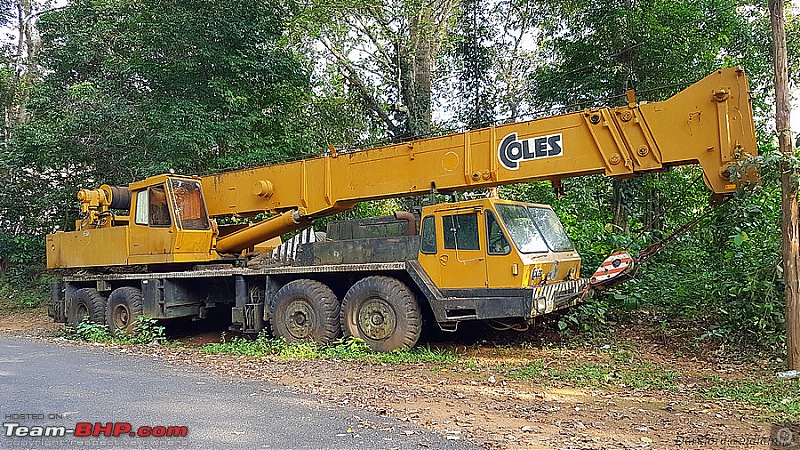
484, 405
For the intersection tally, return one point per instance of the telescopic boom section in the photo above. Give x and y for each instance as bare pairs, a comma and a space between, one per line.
710, 123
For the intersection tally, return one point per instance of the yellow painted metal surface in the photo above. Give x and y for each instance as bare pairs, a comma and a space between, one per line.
87, 248
459, 268
117, 246
150, 181
148, 236
709, 123
268, 246
699, 125
477, 267
151, 244
250, 236
157, 234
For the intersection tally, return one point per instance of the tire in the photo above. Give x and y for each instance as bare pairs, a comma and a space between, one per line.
89, 305
383, 312
305, 311
124, 308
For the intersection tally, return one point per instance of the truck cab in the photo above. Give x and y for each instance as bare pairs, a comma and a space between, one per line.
494, 243
167, 223
170, 222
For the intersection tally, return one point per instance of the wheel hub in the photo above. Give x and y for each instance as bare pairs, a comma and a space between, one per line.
376, 319
83, 312
300, 320
121, 317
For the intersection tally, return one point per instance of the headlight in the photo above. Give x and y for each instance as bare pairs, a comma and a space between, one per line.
541, 305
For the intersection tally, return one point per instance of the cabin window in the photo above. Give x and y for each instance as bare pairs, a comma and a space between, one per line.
159, 208
142, 208
497, 243
520, 226
461, 231
428, 238
190, 211
552, 230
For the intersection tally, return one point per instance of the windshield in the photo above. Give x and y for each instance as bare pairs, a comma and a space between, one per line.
520, 226
550, 226
533, 229
189, 208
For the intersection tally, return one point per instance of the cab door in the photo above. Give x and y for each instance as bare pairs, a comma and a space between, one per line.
152, 233
462, 253
428, 256
503, 265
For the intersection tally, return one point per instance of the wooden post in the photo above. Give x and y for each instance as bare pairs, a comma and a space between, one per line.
790, 246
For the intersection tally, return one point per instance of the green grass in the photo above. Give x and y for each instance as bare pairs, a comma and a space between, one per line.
771, 399
778, 399
636, 375
147, 331
354, 349
425, 355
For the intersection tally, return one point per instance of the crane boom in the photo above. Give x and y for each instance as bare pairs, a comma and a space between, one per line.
709, 123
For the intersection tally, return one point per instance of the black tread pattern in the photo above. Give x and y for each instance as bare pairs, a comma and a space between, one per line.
399, 296
95, 305
128, 295
323, 301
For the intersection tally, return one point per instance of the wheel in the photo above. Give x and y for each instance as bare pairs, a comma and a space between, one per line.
87, 304
383, 312
124, 307
306, 311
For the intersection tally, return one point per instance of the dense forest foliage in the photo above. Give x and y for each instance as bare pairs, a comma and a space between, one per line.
113, 91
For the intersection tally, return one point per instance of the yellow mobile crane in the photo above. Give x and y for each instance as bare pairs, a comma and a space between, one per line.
375, 279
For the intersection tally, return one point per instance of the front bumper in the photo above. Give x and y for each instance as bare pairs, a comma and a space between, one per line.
560, 295
522, 303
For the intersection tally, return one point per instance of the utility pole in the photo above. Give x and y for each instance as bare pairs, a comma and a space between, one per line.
790, 230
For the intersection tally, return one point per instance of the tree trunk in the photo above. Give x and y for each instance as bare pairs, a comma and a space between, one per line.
790, 245
417, 79
26, 70
620, 210
654, 208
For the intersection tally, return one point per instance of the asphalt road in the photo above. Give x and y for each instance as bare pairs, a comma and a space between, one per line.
46, 384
